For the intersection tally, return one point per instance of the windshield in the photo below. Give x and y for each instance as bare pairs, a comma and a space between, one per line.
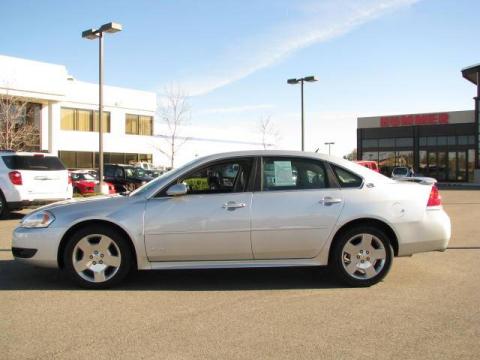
83, 176
32, 162
152, 184
400, 171
139, 172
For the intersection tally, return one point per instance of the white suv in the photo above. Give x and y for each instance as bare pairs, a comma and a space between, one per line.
30, 179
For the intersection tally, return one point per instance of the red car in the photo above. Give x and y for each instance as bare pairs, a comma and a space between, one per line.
84, 183
372, 165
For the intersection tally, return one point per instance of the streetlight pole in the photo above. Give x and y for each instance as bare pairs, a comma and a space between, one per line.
100, 112
93, 34
301, 81
329, 144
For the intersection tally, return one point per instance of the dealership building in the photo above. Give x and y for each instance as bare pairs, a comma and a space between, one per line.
65, 112
443, 145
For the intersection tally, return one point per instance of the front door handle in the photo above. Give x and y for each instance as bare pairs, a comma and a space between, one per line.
233, 205
328, 200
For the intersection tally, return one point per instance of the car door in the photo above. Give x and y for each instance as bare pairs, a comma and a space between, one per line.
296, 209
210, 222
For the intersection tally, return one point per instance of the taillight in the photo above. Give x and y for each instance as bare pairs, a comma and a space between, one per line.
15, 177
435, 199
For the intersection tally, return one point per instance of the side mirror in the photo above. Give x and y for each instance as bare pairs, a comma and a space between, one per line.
177, 190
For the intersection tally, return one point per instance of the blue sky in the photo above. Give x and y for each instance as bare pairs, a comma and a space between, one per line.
371, 56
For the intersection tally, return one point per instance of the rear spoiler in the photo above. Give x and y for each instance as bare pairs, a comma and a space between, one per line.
418, 179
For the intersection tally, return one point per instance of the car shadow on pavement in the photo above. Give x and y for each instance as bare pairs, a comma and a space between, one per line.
17, 276
13, 216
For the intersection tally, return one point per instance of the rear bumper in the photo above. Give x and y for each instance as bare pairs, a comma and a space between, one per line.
431, 234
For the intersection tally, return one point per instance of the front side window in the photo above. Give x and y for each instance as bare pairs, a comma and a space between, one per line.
293, 174
225, 177
345, 178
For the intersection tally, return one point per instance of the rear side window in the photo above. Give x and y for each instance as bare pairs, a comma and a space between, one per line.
293, 174
33, 162
345, 178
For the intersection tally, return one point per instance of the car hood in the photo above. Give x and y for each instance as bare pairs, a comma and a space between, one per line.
94, 201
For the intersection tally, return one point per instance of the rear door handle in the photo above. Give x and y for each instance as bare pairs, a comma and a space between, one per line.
233, 205
328, 200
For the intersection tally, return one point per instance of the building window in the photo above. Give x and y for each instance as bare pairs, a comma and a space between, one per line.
138, 124
68, 119
83, 120
370, 155
105, 121
442, 141
404, 158
88, 160
451, 140
382, 143
370, 143
431, 141
404, 142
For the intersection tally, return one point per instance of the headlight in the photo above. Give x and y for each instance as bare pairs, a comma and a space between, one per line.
40, 219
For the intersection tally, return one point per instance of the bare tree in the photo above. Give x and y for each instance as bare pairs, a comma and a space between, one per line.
352, 156
174, 112
268, 131
17, 130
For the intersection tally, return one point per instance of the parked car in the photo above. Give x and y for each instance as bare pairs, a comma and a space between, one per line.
316, 210
125, 177
370, 164
30, 179
402, 171
84, 182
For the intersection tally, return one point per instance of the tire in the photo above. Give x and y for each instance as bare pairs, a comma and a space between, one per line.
4, 211
97, 257
361, 256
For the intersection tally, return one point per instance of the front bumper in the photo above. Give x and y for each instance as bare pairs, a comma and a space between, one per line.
431, 234
45, 241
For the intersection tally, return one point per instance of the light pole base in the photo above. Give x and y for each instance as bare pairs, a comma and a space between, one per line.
101, 189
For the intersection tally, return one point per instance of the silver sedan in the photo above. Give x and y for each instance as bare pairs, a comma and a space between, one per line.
241, 210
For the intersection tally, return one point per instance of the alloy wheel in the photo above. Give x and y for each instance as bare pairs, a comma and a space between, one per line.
96, 258
363, 256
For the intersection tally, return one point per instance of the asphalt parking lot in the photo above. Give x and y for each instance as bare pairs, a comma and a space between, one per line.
428, 307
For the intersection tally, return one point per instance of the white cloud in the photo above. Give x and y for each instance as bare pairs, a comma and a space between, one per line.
321, 22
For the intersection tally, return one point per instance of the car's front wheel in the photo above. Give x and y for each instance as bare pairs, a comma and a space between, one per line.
97, 257
361, 256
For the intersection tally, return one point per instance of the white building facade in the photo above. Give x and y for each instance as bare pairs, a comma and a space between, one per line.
66, 113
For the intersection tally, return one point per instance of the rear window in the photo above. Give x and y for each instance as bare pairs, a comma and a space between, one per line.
346, 179
32, 162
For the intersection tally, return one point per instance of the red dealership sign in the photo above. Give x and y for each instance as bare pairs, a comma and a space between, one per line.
411, 120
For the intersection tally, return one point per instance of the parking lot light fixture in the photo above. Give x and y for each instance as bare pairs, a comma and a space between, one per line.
310, 78
329, 144
92, 34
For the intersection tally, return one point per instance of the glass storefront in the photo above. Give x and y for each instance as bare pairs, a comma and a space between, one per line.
446, 157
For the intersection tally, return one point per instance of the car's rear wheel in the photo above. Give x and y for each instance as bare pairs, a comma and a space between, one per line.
361, 256
4, 211
97, 257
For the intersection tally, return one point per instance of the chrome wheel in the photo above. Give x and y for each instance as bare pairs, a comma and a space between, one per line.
364, 256
96, 258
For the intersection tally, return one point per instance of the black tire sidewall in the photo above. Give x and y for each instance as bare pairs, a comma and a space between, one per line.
336, 261
117, 237
4, 211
